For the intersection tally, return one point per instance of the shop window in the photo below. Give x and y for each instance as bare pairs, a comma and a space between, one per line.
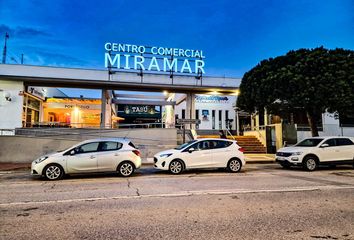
227, 120
213, 119
183, 113
220, 119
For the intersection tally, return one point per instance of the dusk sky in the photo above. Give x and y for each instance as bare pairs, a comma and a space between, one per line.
234, 35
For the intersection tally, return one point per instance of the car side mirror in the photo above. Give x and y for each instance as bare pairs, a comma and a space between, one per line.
191, 150
72, 152
324, 145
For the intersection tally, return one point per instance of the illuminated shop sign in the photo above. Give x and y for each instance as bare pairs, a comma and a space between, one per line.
138, 111
211, 99
74, 106
161, 59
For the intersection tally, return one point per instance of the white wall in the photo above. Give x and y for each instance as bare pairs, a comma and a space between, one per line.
11, 111
331, 127
218, 105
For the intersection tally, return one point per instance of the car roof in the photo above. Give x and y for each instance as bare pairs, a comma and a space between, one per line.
325, 137
122, 140
222, 139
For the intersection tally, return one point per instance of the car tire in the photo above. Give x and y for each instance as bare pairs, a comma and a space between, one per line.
53, 172
310, 163
126, 169
176, 167
285, 165
234, 165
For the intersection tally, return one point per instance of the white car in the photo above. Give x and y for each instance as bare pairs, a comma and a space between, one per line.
95, 155
315, 151
202, 153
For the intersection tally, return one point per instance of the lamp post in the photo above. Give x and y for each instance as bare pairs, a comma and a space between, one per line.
5, 49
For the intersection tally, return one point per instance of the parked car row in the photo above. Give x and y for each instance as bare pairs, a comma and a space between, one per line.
312, 152
120, 155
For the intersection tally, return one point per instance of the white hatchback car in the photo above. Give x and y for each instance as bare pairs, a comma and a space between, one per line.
95, 155
315, 151
202, 153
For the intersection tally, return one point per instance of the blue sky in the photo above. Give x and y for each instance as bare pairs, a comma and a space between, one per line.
234, 35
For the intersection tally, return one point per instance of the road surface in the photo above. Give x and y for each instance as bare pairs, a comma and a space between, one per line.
264, 201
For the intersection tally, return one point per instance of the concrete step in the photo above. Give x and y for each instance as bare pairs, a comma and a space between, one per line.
249, 143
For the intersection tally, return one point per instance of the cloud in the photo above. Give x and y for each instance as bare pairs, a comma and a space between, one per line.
57, 59
4, 29
23, 32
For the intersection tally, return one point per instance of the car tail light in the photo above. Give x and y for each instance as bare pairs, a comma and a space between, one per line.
137, 152
241, 149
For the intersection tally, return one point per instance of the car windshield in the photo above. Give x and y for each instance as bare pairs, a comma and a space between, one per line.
310, 142
185, 145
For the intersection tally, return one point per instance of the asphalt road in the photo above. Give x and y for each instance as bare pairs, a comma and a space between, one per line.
262, 202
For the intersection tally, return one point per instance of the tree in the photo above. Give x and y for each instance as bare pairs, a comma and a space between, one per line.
315, 80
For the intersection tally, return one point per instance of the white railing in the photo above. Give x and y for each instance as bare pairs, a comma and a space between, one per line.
89, 125
7, 132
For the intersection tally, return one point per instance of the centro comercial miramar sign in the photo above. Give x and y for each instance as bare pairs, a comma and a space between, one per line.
162, 59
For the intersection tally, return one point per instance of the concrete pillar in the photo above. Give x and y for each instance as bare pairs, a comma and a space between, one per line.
237, 123
170, 113
266, 117
103, 108
190, 109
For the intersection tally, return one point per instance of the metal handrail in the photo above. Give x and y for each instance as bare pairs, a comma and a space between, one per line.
228, 132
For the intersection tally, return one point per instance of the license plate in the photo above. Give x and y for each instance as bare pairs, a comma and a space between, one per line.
281, 158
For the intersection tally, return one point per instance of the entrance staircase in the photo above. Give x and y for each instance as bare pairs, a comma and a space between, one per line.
249, 143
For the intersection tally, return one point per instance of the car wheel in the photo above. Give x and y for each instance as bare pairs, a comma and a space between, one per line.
310, 163
126, 169
234, 165
176, 167
285, 165
53, 172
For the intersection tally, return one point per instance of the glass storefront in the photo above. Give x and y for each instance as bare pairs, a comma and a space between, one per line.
31, 110
70, 112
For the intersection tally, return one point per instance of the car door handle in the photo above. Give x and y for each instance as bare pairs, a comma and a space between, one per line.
92, 157
116, 154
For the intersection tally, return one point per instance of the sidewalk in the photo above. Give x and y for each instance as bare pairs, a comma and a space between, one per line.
250, 158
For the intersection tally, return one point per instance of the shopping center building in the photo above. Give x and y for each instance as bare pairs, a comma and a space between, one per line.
144, 87
31, 97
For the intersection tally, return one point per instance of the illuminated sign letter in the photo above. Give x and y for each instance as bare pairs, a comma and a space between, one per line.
140, 63
186, 66
126, 61
108, 62
173, 64
154, 50
199, 65
153, 64
108, 48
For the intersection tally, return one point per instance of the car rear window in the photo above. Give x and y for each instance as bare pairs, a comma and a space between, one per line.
344, 142
310, 142
221, 144
109, 146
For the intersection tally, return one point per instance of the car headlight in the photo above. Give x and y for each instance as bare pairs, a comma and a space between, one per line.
296, 153
41, 159
165, 155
